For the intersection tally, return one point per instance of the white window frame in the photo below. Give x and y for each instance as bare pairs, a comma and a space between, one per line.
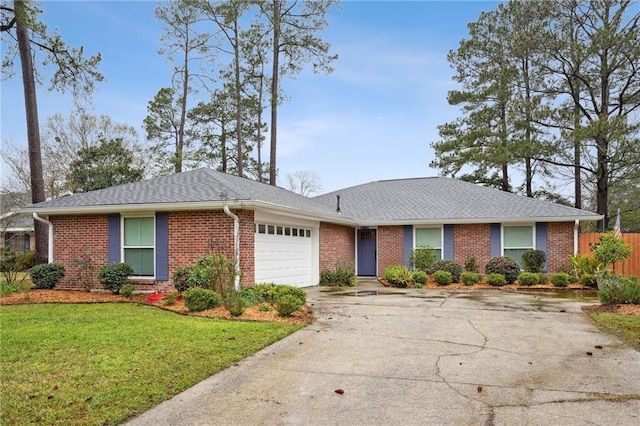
441, 228
513, 225
122, 246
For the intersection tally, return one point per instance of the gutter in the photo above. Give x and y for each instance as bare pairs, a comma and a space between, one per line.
50, 242
236, 246
576, 228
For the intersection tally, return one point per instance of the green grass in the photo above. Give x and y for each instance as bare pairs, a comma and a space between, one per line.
626, 327
101, 364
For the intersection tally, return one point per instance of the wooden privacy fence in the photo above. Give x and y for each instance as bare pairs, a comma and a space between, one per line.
630, 267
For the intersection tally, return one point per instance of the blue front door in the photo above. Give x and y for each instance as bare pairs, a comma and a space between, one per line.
366, 252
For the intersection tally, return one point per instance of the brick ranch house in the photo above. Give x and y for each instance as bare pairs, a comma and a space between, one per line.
279, 236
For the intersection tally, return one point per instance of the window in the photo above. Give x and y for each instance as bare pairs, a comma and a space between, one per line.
517, 240
430, 237
139, 245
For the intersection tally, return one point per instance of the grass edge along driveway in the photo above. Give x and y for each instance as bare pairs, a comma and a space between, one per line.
104, 363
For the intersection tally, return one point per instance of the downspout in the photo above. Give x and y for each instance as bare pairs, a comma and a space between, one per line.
575, 236
236, 246
50, 242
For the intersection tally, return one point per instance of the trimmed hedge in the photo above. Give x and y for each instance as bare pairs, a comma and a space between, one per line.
450, 266
46, 275
505, 266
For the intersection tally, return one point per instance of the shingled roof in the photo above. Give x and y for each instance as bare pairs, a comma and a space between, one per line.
444, 200
401, 201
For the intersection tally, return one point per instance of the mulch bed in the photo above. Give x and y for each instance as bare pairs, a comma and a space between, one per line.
305, 315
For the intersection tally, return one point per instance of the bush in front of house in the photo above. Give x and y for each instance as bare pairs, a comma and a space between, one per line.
288, 299
543, 278
263, 291
528, 278
497, 280
234, 303
533, 260
588, 280
470, 278
442, 277
212, 271
127, 290
46, 275
114, 276
505, 266
340, 276
180, 278
561, 279
397, 275
250, 297
614, 289
471, 265
450, 266
419, 277
422, 258
198, 299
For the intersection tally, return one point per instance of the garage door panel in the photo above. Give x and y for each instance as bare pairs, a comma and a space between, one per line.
284, 259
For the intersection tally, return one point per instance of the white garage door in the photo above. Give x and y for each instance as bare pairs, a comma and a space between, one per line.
284, 253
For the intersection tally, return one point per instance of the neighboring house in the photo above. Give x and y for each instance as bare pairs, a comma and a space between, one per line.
279, 236
17, 231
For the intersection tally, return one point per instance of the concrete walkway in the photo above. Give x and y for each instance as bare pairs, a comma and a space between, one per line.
425, 357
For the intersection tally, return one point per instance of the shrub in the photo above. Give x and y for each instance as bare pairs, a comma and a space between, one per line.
281, 291
127, 290
582, 264
497, 280
450, 266
561, 279
419, 277
589, 280
528, 278
287, 305
543, 278
442, 277
615, 290
470, 278
611, 249
234, 303
250, 297
7, 287
340, 276
422, 258
180, 278
263, 291
418, 285
398, 275
198, 299
114, 276
214, 272
505, 266
26, 261
47, 275
533, 260
11, 264
265, 307
470, 265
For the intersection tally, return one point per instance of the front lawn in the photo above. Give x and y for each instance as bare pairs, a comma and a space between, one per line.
104, 363
626, 327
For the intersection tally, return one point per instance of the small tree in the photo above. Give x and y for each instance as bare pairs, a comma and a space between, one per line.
422, 258
611, 249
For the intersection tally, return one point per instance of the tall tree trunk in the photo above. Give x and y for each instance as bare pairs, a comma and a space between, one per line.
259, 138
33, 128
238, 96
274, 92
183, 106
602, 182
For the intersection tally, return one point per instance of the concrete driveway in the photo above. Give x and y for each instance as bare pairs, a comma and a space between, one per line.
425, 357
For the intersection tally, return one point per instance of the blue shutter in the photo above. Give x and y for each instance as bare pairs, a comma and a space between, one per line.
113, 239
407, 243
162, 246
448, 249
542, 241
494, 240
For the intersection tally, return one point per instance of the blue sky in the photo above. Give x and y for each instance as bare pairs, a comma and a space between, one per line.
371, 119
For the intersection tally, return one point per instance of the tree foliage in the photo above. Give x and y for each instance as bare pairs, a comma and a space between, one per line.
102, 166
549, 89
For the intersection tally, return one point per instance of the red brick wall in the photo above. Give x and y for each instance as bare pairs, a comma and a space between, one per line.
337, 245
73, 235
390, 247
472, 240
191, 234
559, 245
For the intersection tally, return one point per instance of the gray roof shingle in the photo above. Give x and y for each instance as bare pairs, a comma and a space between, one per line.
442, 199
434, 199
